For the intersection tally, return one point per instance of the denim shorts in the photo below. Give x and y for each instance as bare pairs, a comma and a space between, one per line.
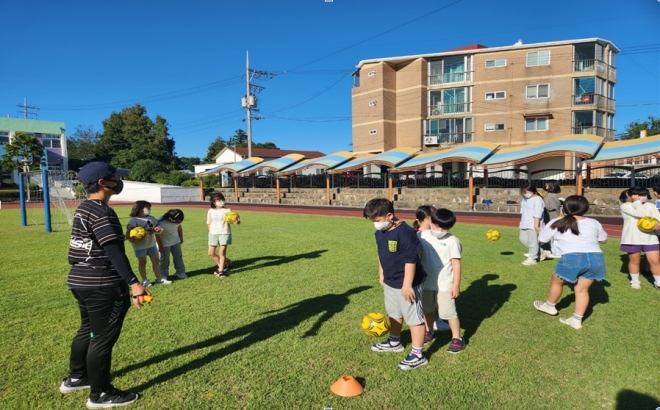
572, 266
141, 253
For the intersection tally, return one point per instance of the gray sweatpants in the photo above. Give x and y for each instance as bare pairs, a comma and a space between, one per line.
177, 255
530, 239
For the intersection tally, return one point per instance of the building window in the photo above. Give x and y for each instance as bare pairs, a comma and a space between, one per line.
51, 141
371, 73
372, 103
536, 124
4, 137
500, 62
538, 58
373, 132
538, 91
493, 127
497, 95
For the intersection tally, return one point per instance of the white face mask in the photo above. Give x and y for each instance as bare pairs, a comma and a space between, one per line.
527, 196
383, 226
219, 204
439, 234
642, 199
146, 211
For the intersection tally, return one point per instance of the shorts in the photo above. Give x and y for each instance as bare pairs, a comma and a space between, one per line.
219, 239
445, 305
398, 308
573, 266
141, 253
639, 248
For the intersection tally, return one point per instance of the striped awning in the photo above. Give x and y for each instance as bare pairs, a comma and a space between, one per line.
582, 146
234, 167
327, 162
390, 158
473, 153
618, 150
275, 165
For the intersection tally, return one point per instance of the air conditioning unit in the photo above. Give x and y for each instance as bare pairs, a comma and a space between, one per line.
435, 112
431, 140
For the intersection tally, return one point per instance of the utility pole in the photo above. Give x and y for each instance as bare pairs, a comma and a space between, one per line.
249, 102
25, 107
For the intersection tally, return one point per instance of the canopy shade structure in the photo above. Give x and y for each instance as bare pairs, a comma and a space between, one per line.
390, 158
275, 165
234, 167
473, 153
582, 146
327, 162
643, 147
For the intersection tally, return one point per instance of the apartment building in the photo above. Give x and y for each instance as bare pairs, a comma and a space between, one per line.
511, 95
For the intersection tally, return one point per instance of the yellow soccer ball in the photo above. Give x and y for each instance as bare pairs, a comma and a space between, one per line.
138, 233
493, 235
646, 224
375, 324
231, 217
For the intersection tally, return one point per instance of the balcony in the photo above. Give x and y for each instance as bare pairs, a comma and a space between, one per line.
592, 130
448, 138
444, 109
602, 68
450, 78
591, 100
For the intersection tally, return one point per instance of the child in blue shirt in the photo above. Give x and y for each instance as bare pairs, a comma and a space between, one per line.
402, 276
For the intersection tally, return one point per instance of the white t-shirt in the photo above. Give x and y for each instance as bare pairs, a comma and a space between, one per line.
436, 259
216, 218
148, 222
170, 233
591, 233
531, 208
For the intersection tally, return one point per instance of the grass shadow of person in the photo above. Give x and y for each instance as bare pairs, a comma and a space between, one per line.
271, 324
631, 400
597, 295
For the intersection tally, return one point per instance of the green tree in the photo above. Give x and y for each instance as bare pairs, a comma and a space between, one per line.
23, 151
240, 140
145, 170
187, 163
267, 145
652, 127
214, 148
80, 146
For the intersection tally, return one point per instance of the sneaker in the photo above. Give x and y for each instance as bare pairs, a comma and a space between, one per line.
386, 346
220, 274
146, 283
112, 398
575, 324
412, 361
635, 284
526, 255
656, 285
69, 386
456, 346
441, 325
545, 308
553, 256
529, 262
181, 275
162, 281
429, 337
544, 254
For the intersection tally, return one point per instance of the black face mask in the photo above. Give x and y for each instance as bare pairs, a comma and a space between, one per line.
119, 186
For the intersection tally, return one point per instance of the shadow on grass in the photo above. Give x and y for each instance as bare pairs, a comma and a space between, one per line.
507, 253
273, 323
597, 294
631, 400
243, 265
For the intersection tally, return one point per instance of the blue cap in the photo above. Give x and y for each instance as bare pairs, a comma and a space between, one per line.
94, 171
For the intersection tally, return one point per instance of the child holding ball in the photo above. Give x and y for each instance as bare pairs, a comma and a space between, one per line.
140, 217
219, 233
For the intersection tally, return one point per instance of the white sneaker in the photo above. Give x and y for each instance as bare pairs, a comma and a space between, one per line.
163, 281
181, 275
529, 262
544, 254
545, 308
635, 284
526, 255
571, 322
146, 283
553, 256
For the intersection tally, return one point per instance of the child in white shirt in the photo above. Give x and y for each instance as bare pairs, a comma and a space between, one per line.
140, 217
169, 242
219, 233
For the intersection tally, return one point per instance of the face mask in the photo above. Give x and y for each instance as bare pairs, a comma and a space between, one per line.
119, 186
219, 204
383, 226
527, 196
146, 211
642, 199
439, 234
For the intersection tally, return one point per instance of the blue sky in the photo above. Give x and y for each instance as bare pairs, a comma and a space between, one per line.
78, 61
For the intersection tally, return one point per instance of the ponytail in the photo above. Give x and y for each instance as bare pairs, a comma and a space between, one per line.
574, 205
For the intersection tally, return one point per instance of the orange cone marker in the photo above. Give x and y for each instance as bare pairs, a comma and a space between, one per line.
346, 386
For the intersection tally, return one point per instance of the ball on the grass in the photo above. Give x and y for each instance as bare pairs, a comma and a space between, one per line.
227, 263
493, 235
375, 324
138, 233
231, 217
646, 224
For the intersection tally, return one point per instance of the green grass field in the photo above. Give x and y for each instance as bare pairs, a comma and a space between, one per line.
285, 325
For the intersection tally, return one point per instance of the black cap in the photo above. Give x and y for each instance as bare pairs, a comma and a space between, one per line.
94, 171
